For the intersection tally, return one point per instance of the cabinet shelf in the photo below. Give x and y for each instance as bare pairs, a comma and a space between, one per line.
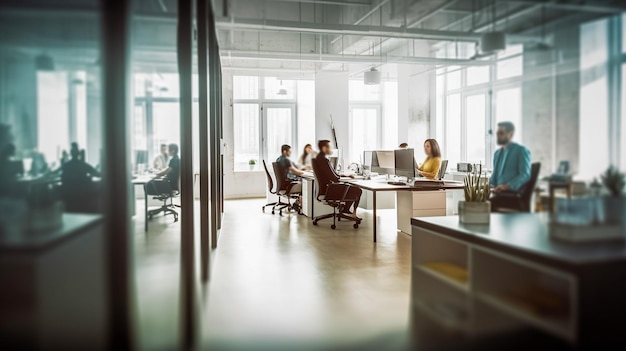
556, 326
444, 276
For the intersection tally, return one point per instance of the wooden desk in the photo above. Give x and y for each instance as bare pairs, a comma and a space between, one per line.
517, 279
378, 186
143, 180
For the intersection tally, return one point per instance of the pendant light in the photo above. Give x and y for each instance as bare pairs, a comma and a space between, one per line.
371, 77
493, 41
281, 91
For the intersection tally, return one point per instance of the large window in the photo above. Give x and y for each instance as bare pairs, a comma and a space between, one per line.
594, 114
53, 114
476, 114
471, 100
267, 113
370, 105
509, 109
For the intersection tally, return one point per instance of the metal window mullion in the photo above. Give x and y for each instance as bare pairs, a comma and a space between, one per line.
185, 62
115, 74
203, 62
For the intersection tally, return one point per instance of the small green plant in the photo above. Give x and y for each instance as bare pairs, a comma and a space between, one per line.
476, 188
252, 162
614, 181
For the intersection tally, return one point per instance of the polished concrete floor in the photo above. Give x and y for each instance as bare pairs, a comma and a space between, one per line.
279, 283
283, 283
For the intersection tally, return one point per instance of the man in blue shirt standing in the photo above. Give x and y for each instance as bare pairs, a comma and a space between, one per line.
511, 163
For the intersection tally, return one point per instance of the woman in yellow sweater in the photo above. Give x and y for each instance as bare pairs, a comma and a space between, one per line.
430, 168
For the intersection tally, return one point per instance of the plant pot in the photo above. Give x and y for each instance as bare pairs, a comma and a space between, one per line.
614, 209
474, 212
251, 167
46, 218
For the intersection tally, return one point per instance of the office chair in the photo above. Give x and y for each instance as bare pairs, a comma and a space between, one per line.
442, 169
510, 201
161, 190
270, 187
335, 196
284, 191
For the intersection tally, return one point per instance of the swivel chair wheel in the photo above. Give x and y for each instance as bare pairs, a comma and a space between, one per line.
263, 209
339, 219
273, 212
314, 222
333, 227
355, 225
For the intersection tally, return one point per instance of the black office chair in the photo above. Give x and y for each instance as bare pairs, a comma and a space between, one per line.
442, 169
161, 190
285, 190
510, 201
270, 187
334, 195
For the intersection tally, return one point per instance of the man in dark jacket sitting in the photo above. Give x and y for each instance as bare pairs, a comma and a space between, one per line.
326, 174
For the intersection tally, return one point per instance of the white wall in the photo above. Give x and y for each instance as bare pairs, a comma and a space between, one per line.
331, 97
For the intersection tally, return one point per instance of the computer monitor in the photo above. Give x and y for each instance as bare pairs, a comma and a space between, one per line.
333, 162
367, 158
383, 162
405, 162
141, 158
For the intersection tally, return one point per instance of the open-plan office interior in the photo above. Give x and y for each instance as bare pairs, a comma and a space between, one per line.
312, 174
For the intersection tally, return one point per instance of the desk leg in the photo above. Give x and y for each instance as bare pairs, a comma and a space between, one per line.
374, 222
145, 208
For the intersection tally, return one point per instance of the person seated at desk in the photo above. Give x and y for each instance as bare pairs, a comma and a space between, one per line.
293, 173
76, 183
172, 172
161, 161
430, 168
328, 175
305, 162
403, 146
511, 164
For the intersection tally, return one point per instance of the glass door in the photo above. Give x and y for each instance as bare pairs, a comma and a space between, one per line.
364, 131
279, 127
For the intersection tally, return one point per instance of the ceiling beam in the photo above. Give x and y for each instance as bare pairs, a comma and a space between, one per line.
331, 2
585, 7
341, 29
333, 58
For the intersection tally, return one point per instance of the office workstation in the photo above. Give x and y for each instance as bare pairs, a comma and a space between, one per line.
312, 175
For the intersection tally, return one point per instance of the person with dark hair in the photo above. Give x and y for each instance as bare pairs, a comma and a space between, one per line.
76, 181
172, 172
328, 175
306, 159
76, 172
293, 173
403, 146
160, 162
430, 168
511, 162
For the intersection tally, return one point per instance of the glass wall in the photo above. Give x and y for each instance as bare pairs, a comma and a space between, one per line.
51, 133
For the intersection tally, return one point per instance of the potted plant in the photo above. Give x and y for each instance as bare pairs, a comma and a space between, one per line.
45, 209
252, 164
476, 208
614, 204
